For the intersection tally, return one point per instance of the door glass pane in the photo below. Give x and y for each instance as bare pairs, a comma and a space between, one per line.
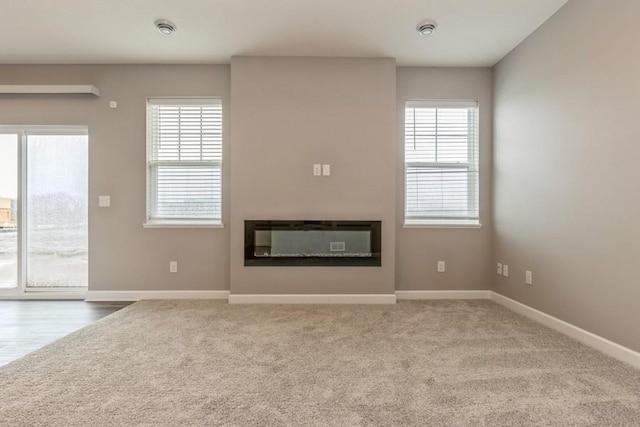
57, 235
8, 211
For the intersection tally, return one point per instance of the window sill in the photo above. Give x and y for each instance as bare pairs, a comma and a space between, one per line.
183, 224
441, 224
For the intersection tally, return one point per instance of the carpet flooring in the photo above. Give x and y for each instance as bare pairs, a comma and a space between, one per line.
430, 363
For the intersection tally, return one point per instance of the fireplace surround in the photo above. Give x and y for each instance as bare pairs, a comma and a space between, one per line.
275, 243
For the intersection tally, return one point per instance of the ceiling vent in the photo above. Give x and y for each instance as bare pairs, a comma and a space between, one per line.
165, 27
426, 28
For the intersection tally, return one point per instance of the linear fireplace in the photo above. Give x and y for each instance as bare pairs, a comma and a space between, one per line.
312, 243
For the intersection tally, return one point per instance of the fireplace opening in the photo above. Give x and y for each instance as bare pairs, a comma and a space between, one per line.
312, 243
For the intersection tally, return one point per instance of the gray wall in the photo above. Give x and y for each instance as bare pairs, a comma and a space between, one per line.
123, 255
289, 113
337, 111
466, 251
566, 168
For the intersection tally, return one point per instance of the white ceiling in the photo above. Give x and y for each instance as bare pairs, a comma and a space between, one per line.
470, 33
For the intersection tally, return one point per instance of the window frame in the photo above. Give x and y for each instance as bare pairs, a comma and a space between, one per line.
181, 222
474, 151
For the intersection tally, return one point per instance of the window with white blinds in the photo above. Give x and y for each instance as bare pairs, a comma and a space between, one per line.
184, 160
441, 162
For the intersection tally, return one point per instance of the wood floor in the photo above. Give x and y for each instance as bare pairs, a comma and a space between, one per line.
26, 326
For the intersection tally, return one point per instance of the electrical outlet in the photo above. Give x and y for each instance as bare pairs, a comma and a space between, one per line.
499, 269
528, 277
173, 267
441, 267
505, 270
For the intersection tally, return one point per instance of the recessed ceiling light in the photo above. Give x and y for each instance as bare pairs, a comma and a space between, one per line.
426, 28
165, 27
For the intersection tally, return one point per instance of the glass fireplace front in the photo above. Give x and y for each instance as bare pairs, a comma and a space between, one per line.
312, 243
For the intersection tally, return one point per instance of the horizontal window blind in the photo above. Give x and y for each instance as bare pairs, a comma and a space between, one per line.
184, 156
441, 161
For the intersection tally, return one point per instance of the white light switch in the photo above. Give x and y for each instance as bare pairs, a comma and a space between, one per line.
528, 277
499, 268
104, 201
173, 267
113, 104
441, 267
505, 270
326, 170
317, 169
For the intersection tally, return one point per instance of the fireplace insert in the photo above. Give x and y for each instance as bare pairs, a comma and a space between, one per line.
312, 243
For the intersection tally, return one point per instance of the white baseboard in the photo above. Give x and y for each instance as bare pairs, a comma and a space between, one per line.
313, 299
41, 295
418, 295
610, 348
95, 296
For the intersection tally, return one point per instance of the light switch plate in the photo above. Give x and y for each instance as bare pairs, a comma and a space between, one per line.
528, 277
104, 201
317, 169
326, 170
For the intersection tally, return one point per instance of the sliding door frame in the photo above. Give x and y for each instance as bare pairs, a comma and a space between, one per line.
21, 291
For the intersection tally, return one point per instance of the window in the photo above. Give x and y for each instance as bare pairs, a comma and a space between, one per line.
441, 163
184, 162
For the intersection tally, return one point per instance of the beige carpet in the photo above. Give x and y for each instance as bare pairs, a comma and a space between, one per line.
436, 363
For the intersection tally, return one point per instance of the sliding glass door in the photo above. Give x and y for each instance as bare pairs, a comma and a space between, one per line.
45, 245
56, 211
9, 161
